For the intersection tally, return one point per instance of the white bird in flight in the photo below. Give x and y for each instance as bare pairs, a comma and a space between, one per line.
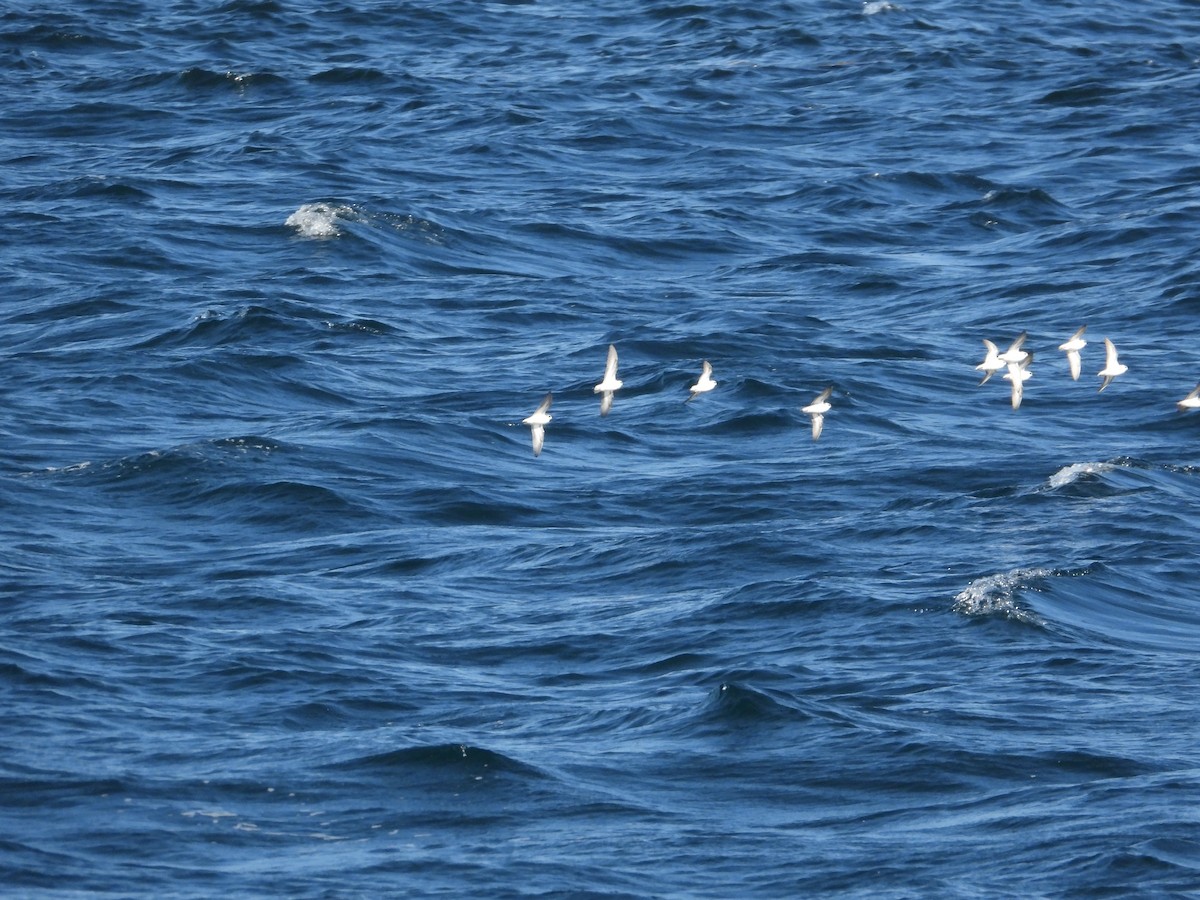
817, 410
610, 384
992, 363
704, 383
537, 423
1018, 373
1112, 368
1014, 355
1191, 401
1071, 347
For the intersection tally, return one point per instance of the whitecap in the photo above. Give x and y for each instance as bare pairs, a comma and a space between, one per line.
318, 220
999, 595
1072, 473
873, 7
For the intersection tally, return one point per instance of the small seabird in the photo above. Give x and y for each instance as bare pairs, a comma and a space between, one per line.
817, 410
1112, 368
1191, 401
537, 423
1018, 374
1014, 355
992, 363
610, 383
704, 383
1071, 347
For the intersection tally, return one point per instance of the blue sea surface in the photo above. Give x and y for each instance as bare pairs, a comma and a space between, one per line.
288, 605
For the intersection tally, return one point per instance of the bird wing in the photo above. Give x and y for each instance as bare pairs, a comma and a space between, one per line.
1110, 354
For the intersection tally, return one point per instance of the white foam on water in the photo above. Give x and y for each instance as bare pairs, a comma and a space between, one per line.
1072, 473
318, 220
999, 594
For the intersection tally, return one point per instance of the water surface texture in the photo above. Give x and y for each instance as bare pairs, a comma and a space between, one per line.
288, 606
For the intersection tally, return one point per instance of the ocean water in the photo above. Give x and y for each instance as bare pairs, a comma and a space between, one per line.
288, 606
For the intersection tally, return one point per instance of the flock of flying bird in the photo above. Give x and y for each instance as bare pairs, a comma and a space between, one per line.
1015, 359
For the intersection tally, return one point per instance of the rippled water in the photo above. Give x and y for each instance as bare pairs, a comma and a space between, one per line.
289, 605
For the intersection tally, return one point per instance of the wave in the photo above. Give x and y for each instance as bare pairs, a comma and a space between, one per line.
1093, 481
197, 77
1125, 605
239, 479
736, 703
320, 220
163, 462
1134, 604
733, 703
351, 75
1116, 477
449, 764
1002, 594
1077, 471
285, 323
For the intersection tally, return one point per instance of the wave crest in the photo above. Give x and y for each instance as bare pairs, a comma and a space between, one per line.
319, 220
1000, 595
1072, 473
